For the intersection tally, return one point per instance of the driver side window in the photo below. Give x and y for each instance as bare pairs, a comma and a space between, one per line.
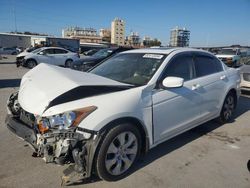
180, 66
48, 51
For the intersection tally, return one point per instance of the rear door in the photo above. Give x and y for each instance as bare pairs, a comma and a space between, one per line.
60, 56
211, 82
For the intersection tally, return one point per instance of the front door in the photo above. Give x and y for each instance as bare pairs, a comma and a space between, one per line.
175, 109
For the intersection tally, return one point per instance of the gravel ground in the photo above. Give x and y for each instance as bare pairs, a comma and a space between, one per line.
210, 155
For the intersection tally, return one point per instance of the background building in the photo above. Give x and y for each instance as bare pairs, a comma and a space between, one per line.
15, 40
133, 40
88, 35
118, 32
148, 42
105, 34
179, 37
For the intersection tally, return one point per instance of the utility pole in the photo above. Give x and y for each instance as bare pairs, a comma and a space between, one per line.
14, 14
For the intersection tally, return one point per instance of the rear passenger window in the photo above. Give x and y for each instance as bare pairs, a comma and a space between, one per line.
180, 66
60, 51
205, 65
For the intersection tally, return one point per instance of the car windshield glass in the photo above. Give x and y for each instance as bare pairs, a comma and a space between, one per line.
102, 53
37, 50
132, 68
227, 52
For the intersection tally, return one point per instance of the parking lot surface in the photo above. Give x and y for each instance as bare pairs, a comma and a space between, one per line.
210, 155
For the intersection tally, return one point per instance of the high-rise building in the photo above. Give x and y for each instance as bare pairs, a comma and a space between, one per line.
118, 32
179, 37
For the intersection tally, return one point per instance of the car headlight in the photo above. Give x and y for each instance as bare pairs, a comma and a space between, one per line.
65, 120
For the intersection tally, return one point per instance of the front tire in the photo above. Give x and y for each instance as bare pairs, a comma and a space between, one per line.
118, 152
227, 108
31, 63
68, 63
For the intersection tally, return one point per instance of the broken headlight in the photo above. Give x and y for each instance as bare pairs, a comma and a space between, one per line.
65, 120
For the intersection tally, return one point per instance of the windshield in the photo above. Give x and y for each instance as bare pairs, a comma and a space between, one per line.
132, 68
227, 52
102, 53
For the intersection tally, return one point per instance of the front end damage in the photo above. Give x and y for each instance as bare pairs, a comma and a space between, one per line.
74, 145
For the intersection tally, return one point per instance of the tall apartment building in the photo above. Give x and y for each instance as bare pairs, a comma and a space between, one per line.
179, 37
118, 32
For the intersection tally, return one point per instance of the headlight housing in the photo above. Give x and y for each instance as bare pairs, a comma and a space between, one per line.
65, 120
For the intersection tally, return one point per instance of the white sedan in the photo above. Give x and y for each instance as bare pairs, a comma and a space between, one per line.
122, 108
49, 55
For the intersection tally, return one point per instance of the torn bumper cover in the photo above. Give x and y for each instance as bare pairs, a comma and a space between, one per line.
21, 130
58, 146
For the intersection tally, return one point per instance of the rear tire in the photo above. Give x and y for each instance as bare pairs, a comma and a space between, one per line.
227, 108
31, 63
118, 152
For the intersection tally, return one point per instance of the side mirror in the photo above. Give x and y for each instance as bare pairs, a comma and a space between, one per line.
41, 53
172, 82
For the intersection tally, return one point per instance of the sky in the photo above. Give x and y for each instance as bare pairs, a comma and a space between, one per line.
211, 22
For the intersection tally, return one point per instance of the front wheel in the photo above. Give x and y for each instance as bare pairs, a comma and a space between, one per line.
68, 63
31, 63
118, 152
227, 108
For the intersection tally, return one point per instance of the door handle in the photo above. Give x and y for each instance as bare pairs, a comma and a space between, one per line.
223, 77
196, 86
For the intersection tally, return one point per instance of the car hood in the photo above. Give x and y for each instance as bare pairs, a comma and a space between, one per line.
46, 85
23, 54
224, 56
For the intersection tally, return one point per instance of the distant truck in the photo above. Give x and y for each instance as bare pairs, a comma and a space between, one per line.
67, 43
230, 56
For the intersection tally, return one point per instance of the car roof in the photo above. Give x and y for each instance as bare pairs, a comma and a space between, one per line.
164, 50
44, 48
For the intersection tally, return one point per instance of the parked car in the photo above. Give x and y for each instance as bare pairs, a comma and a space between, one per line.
230, 56
107, 118
90, 52
84, 64
245, 76
9, 51
50, 55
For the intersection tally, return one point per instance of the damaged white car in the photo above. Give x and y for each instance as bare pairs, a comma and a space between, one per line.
103, 120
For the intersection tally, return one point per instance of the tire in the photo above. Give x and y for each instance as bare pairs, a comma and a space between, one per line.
227, 108
114, 159
68, 63
31, 63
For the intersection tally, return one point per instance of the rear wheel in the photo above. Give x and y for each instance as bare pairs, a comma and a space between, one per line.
68, 63
227, 108
31, 63
118, 152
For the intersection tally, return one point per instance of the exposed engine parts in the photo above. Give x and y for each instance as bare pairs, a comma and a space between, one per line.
61, 146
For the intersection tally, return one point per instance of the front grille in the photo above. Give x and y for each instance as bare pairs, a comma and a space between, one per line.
246, 76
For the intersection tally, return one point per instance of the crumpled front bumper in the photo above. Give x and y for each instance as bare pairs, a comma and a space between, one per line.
21, 130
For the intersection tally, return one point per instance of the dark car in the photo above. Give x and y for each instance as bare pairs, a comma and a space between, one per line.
86, 63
